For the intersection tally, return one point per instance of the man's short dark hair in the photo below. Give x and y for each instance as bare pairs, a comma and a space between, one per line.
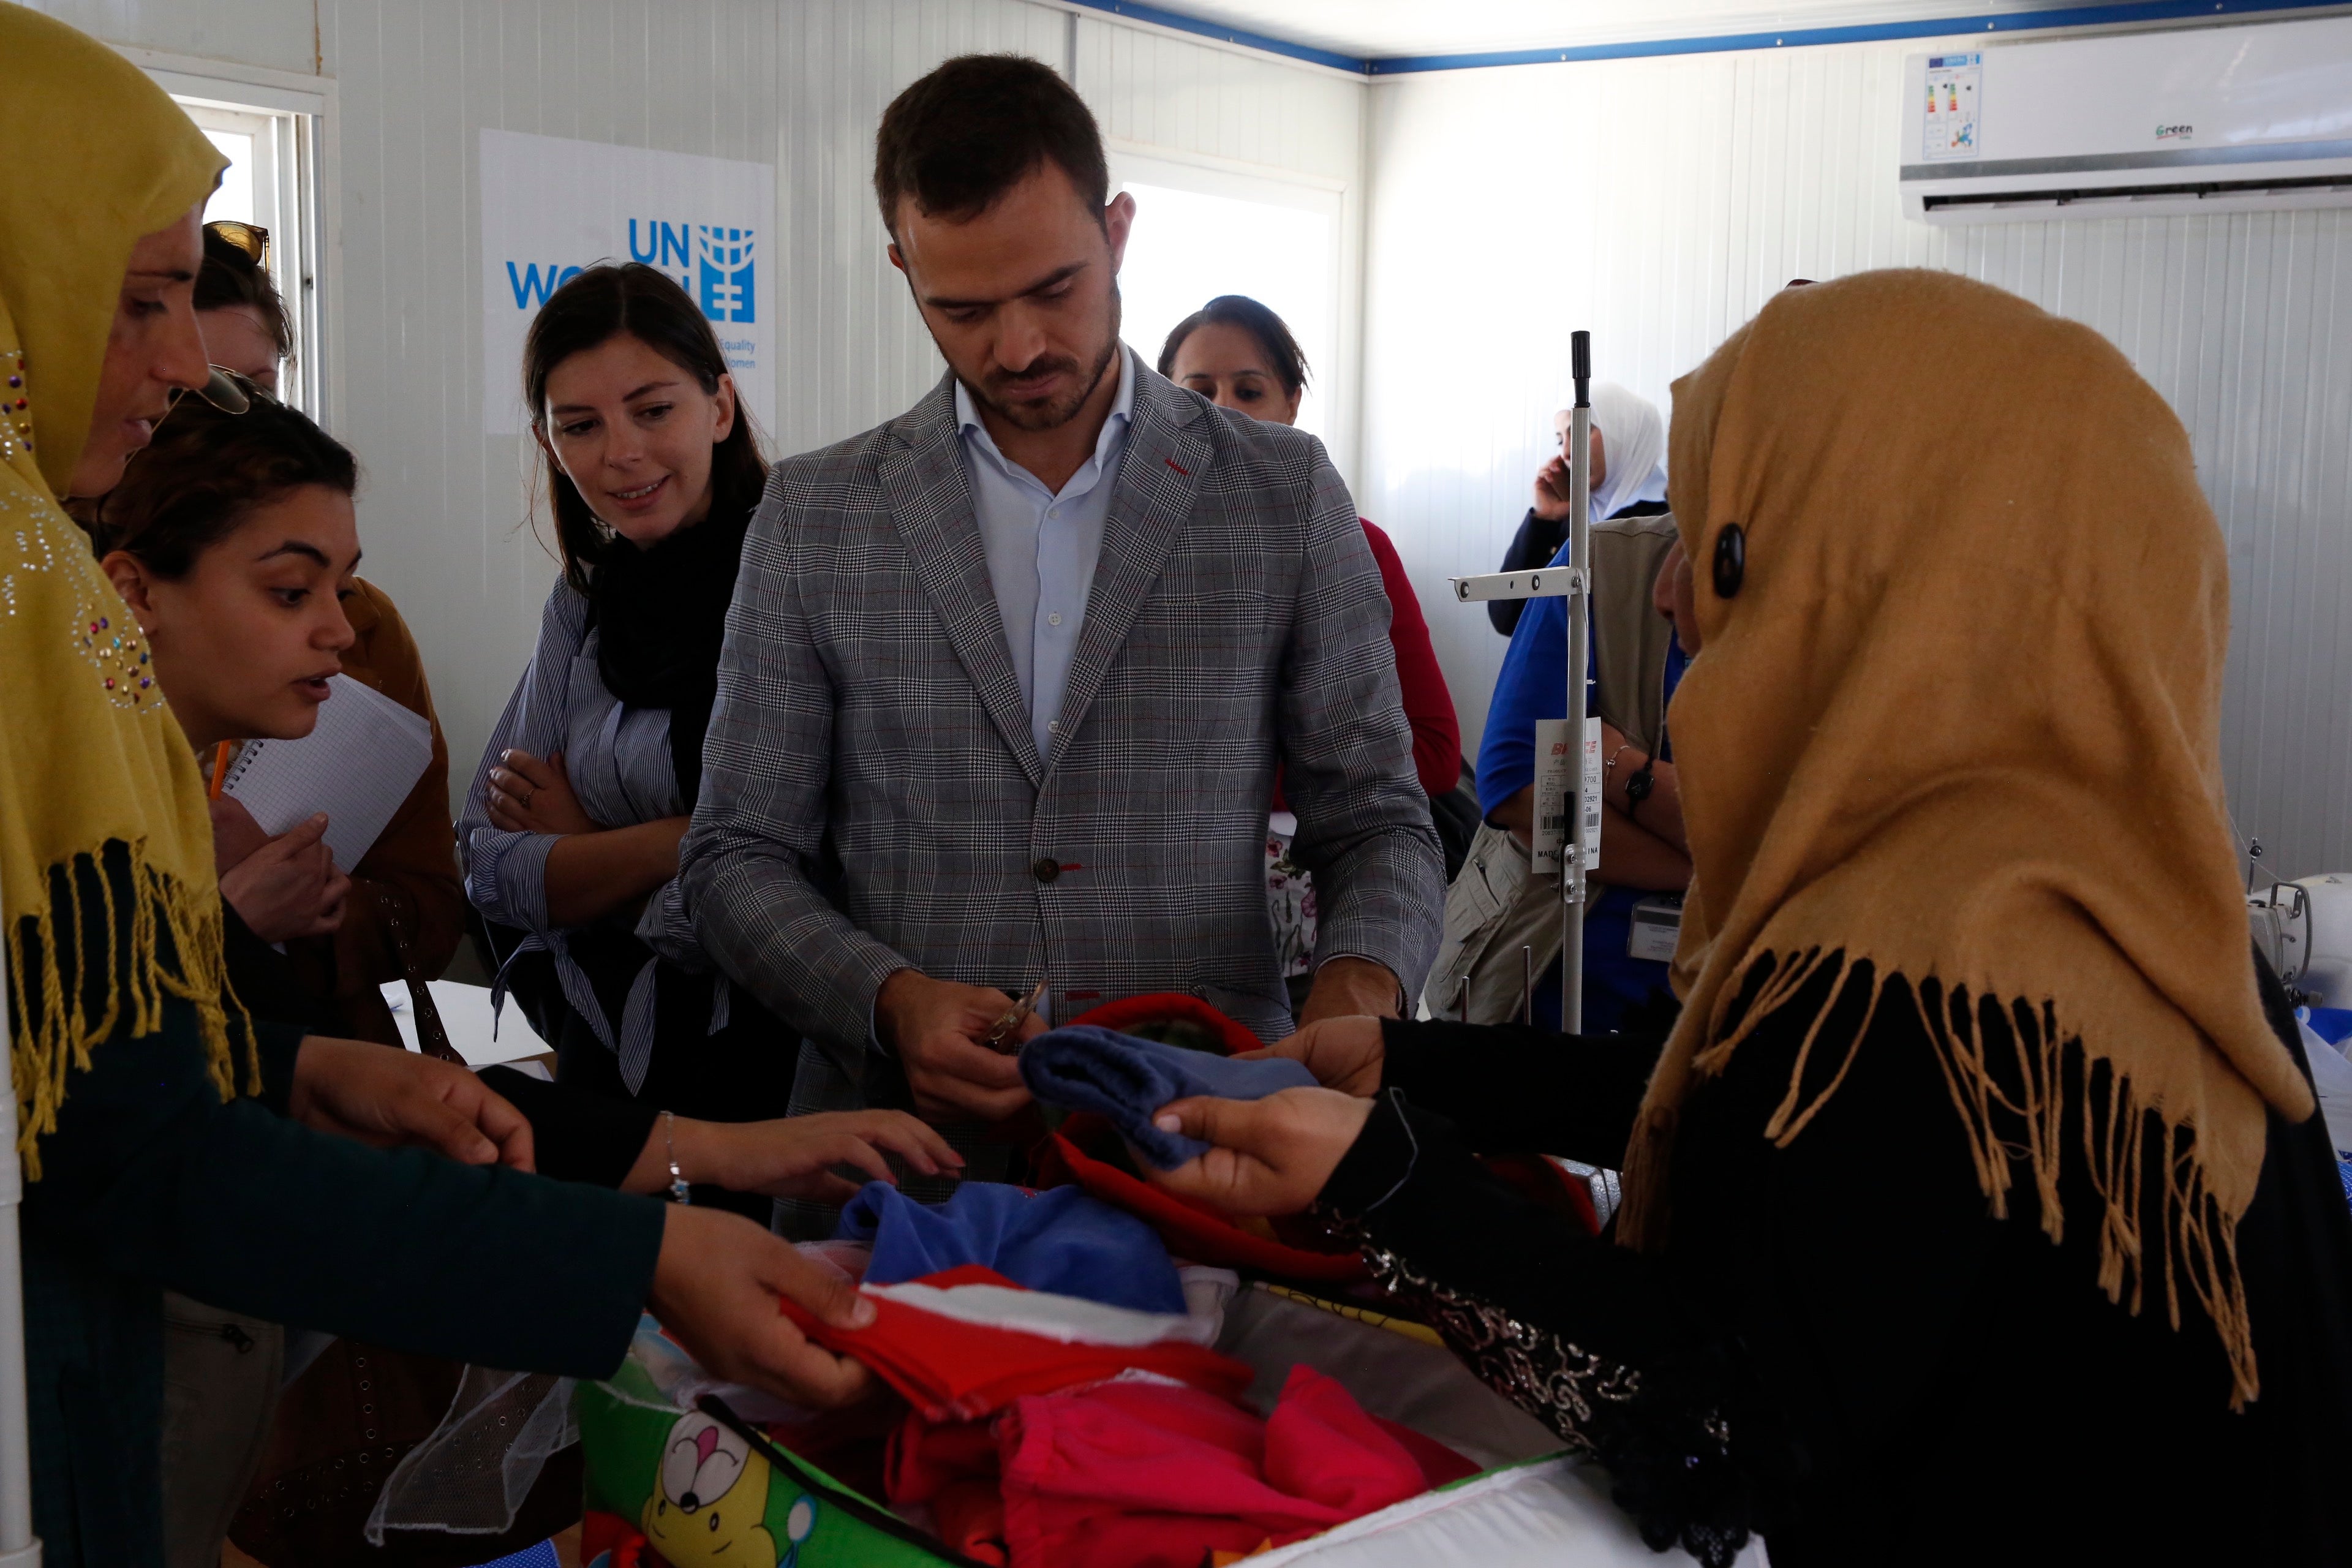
957, 140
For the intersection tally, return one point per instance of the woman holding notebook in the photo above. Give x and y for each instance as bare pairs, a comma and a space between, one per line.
571, 830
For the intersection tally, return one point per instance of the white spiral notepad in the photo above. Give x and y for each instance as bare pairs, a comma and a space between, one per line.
357, 767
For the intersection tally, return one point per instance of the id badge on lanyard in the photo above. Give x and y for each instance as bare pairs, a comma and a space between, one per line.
1655, 928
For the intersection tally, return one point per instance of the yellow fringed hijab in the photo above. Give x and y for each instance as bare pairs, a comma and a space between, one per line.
88, 755
1961, 720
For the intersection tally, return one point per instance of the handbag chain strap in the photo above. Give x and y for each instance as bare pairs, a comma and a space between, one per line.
432, 1035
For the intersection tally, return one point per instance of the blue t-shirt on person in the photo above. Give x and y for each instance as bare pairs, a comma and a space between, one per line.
1532, 686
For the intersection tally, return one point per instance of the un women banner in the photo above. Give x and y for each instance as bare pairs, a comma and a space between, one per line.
552, 206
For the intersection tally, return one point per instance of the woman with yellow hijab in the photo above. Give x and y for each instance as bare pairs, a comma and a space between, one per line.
1974, 1209
167, 1140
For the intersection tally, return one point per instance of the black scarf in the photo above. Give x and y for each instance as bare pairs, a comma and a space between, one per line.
661, 614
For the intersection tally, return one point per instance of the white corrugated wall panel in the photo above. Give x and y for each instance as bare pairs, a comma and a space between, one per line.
1151, 88
854, 350
1660, 202
1231, 110
280, 34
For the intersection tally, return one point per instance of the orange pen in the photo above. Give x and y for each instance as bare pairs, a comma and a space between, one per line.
221, 756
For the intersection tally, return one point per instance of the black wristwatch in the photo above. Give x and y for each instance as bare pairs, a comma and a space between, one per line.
1638, 784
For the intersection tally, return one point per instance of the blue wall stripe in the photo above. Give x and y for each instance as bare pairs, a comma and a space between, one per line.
1788, 37
1794, 38
1199, 28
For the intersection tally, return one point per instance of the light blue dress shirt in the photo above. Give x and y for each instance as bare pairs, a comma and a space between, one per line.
1042, 549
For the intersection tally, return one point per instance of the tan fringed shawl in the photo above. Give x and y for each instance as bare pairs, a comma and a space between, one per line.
1960, 721
89, 756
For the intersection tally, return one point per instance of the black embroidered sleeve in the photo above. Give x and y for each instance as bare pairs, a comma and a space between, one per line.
1581, 1334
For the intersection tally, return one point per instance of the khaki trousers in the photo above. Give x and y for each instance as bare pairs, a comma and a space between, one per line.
220, 1376
1497, 906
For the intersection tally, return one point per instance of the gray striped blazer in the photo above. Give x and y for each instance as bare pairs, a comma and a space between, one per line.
872, 798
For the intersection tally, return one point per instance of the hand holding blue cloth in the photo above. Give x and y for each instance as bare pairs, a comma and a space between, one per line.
1062, 1241
1127, 1080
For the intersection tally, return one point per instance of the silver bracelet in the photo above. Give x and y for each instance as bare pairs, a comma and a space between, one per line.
678, 1190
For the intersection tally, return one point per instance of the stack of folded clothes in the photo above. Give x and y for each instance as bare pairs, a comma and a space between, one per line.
1139, 1473
967, 1343
1068, 1411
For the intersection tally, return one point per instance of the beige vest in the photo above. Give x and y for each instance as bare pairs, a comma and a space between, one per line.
1498, 906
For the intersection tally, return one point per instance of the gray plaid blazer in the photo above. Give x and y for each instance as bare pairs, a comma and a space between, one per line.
871, 796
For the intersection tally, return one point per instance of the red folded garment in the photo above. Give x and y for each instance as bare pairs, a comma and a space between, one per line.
1142, 1475
950, 1369
971, 1518
951, 1468
926, 1455
1439, 1466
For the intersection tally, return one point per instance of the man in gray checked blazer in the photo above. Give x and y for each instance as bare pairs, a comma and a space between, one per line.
907, 817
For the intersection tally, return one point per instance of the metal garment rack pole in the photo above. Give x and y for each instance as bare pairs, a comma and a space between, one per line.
20, 1548
1574, 584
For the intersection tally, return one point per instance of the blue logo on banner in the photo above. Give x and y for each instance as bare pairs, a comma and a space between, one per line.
531, 286
710, 262
723, 264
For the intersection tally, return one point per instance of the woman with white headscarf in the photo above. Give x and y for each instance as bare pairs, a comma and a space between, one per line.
1629, 479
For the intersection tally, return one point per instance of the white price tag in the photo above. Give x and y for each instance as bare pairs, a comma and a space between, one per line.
1592, 793
1554, 779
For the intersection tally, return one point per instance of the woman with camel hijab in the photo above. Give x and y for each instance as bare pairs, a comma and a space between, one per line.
1975, 1208
167, 1139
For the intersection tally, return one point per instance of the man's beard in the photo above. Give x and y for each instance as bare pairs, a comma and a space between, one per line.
1049, 413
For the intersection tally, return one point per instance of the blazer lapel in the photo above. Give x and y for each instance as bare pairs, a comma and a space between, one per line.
923, 479
1167, 454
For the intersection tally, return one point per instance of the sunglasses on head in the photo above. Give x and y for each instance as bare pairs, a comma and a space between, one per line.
225, 390
250, 239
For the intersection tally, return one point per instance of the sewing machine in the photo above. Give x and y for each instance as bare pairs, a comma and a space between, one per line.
2304, 928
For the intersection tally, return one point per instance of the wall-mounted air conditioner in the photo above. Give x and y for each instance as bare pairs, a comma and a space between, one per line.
2130, 125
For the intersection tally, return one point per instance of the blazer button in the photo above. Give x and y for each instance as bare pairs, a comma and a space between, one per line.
1045, 868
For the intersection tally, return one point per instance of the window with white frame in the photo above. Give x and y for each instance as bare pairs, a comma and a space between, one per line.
1202, 231
271, 183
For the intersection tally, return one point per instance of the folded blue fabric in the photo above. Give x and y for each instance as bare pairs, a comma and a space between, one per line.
1062, 1241
1127, 1080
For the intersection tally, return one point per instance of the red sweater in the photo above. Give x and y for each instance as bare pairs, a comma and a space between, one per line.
1436, 735
1428, 706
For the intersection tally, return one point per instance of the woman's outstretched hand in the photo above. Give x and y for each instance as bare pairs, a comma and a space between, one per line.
388, 1097
715, 1289
793, 1156
1270, 1156
1344, 1054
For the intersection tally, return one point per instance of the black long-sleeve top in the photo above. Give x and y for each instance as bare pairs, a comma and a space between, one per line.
1839, 1347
